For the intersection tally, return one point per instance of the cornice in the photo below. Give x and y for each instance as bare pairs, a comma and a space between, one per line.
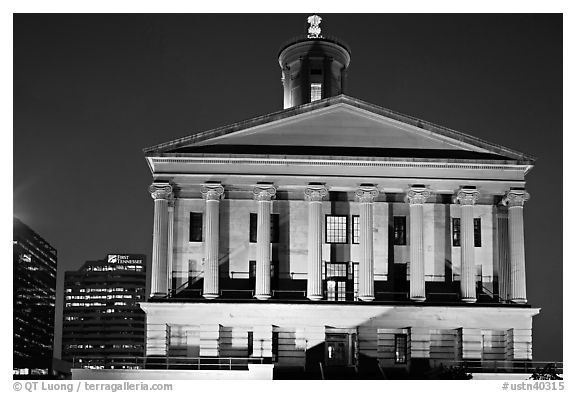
346, 161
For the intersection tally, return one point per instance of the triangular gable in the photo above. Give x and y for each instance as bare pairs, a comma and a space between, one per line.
339, 126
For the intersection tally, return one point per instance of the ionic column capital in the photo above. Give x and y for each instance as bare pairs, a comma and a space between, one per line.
264, 192
366, 194
418, 195
315, 193
212, 192
515, 198
467, 196
160, 191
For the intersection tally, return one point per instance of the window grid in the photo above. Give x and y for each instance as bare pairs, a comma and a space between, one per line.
336, 276
336, 229
195, 227
355, 229
315, 92
399, 230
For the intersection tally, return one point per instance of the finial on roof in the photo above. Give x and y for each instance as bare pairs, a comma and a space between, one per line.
314, 29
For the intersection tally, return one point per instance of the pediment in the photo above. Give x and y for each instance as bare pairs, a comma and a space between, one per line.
338, 126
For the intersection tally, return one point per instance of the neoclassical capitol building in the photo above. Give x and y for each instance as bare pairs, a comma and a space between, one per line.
337, 235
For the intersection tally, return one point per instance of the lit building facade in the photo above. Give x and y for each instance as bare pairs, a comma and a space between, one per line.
34, 285
338, 235
103, 323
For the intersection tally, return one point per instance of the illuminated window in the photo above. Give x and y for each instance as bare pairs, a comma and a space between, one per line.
195, 227
315, 92
336, 276
399, 230
274, 228
456, 239
456, 232
336, 229
355, 229
400, 348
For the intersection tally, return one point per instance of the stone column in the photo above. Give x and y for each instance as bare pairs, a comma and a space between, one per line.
417, 197
212, 194
161, 193
365, 195
503, 255
263, 194
314, 195
467, 196
170, 251
515, 199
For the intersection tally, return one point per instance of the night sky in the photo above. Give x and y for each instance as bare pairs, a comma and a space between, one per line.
90, 91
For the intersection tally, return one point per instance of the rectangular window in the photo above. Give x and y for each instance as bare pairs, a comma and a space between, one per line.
400, 348
274, 228
250, 343
477, 233
456, 240
355, 229
275, 339
456, 232
336, 229
195, 227
399, 230
315, 92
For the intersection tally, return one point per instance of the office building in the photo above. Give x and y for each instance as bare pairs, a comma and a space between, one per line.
34, 297
103, 324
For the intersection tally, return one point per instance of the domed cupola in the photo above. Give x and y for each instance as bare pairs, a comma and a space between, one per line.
313, 66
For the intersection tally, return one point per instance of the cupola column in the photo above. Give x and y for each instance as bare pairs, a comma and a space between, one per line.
365, 195
467, 196
263, 194
314, 195
515, 199
161, 193
417, 197
212, 193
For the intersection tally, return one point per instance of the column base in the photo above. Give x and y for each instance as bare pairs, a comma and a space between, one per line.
210, 296
366, 298
519, 301
469, 299
315, 297
262, 297
158, 294
418, 298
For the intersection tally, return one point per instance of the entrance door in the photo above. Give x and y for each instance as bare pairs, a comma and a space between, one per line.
337, 349
336, 276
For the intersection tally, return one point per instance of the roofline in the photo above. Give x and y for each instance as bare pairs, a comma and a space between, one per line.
465, 161
330, 101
